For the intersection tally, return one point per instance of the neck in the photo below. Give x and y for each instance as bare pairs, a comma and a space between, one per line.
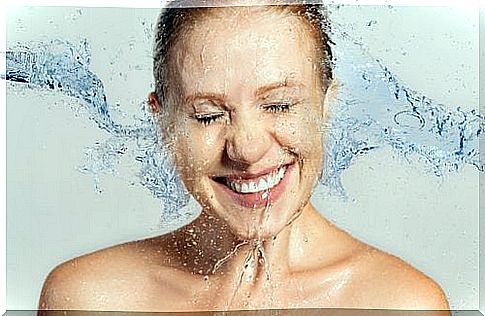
212, 248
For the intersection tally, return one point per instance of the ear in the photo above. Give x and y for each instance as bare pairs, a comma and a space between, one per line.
330, 97
153, 102
332, 91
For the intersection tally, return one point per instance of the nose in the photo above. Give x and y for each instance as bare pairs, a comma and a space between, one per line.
248, 140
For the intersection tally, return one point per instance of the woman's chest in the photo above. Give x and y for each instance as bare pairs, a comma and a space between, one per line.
238, 295
174, 291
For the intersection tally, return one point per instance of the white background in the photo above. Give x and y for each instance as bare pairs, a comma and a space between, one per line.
54, 214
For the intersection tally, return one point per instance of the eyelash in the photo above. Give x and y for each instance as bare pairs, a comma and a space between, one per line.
208, 119
278, 107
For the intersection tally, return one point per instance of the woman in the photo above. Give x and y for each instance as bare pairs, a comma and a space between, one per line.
242, 95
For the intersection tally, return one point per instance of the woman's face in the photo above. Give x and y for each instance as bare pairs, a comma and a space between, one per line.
248, 116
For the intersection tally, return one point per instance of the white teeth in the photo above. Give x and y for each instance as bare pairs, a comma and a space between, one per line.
262, 185
244, 188
237, 187
265, 183
271, 180
281, 172
252, 187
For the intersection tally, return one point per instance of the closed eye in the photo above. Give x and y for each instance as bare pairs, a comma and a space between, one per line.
207, 119
277, 107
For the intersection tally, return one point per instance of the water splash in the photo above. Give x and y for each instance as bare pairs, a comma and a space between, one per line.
64, 67
61, 66
375, 110
372, 110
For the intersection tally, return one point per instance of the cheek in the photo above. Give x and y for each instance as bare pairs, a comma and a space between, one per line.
301, 133
212, 138
198, 149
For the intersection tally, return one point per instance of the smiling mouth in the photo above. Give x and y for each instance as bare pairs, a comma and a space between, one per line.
254, 185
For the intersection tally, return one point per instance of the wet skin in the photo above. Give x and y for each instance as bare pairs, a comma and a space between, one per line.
250, 100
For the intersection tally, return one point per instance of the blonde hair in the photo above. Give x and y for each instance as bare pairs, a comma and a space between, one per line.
177, 15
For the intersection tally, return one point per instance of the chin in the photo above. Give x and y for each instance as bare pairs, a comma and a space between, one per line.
252, 216
265, 227
255, 234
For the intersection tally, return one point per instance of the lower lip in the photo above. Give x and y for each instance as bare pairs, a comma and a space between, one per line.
256, 200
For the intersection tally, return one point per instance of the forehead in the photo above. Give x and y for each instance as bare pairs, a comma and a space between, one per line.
228, 49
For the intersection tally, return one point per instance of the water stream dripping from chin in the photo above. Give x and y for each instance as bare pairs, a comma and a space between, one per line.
255, 261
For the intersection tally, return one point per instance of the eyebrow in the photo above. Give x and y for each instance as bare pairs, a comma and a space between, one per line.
259, 92
205, 96
277, 85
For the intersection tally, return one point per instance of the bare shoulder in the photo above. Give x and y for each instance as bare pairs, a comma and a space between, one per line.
83, 282
100, 280
387, 281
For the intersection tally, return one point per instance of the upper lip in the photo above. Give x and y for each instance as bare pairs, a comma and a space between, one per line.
244, 175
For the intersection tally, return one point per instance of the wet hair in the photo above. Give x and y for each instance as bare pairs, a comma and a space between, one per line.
176, 16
